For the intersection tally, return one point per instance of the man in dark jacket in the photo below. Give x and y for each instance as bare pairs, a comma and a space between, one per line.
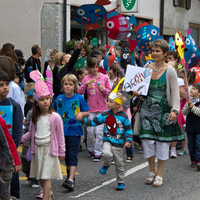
33, 63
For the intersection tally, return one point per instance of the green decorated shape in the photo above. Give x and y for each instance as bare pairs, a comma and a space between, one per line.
129, 4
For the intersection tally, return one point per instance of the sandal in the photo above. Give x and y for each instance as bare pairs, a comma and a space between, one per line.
51, 195
150, 179
158, 181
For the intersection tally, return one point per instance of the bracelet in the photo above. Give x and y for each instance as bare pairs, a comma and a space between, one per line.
175, 112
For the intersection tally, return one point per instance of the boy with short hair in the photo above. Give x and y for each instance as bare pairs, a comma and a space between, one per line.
117, 133
11, 112
28, 90
192, 110
67, 105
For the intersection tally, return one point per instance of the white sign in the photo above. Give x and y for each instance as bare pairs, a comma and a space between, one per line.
130, 6
137, 79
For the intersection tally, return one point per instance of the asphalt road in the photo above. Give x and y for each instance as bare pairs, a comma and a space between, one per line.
180, 181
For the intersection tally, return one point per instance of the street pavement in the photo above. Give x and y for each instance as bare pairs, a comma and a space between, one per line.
180, 181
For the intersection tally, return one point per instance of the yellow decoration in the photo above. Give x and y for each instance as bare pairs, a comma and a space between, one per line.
113, 94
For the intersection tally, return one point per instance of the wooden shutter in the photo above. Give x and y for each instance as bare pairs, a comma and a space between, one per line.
188, 4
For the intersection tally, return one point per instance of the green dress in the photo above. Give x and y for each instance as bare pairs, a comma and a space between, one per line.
154, 114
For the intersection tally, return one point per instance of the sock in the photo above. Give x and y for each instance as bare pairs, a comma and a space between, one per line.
71, 180
68, 173
173, 148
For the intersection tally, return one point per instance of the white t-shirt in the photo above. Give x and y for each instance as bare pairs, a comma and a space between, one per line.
180, 82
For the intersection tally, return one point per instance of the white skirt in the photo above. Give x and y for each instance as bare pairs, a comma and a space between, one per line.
44, 165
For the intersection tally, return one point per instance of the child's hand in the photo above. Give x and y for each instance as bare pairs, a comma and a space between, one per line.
127, 144
61, 158
78, 116
190, 104
90, 81
80, 44
17, 168
135, 109
100, 87
135, 93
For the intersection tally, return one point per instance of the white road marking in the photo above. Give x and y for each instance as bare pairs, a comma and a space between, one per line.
129, 172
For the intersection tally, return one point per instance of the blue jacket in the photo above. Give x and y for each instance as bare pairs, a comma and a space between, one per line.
117, 127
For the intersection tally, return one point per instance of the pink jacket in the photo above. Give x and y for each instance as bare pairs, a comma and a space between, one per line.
57, 136
96, 100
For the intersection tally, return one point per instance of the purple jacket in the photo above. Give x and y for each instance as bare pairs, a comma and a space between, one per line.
57, 136
96, 100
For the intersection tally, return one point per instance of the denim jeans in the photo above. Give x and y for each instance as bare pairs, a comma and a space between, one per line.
15, 186
194, 146
129, 151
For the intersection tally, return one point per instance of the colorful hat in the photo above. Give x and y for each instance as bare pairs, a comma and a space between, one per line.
41, 88
113, 94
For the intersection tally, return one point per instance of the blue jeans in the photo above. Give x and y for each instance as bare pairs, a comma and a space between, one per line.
15, 186
194, 146
129, 151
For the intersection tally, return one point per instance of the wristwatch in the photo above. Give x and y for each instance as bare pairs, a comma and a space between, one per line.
175, 112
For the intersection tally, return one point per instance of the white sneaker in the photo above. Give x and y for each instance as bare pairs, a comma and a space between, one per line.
173, 154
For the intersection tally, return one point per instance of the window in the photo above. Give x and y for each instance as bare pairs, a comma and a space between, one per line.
195, 32
181, 4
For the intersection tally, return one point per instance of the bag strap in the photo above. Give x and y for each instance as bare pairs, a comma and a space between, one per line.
139, 105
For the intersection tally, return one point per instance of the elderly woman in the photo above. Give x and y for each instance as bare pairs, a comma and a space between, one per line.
158, 115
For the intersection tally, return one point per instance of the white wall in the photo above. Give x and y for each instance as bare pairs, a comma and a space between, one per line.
21, 23
176, 18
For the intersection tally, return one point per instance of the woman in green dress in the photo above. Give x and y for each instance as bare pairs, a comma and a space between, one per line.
158, 115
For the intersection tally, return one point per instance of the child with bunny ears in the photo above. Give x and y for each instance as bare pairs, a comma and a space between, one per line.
47, 138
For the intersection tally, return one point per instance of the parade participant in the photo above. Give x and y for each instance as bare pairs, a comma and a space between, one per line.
14, 119
33, 63
15, 92
117, 133
180, 117
192, 110
98, 88
9, 160
67, 105
47, 138
85, 52
69, 61
159, 112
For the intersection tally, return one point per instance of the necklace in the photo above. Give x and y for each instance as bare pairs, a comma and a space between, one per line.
157, 71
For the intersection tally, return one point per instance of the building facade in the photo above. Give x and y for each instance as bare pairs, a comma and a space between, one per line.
25, 22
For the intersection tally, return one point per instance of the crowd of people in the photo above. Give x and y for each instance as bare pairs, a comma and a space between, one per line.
89, 102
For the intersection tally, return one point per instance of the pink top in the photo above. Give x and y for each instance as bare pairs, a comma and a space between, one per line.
57, 136
96, 100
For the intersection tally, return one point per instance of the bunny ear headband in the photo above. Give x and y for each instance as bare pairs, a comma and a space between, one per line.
41, 88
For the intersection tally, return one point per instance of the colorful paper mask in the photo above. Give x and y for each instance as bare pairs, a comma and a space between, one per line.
41, 88
171, 44
125, 59
145, 35
118, 26
197, 70
195, 57
189, 50
149, 60
81, 63
180, 46
90, 14
110, 57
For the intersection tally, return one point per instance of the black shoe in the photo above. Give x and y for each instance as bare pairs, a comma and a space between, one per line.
179, 145
68, 184
64, 183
